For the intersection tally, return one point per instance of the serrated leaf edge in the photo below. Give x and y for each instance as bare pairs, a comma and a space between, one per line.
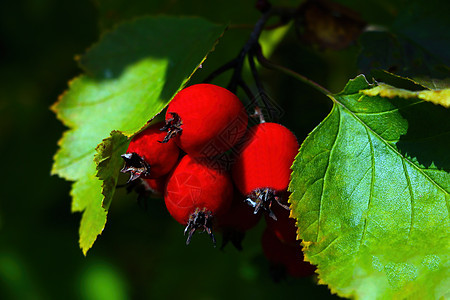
306, 244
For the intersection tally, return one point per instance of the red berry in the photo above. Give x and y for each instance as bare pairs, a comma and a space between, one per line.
262, 168
236, 221
266, 158
205, 120
284, 228
196, 193
146, 157
289, 257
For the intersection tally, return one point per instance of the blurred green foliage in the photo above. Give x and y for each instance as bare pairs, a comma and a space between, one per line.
141, 254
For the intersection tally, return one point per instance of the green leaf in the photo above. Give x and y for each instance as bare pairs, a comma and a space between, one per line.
240, 17
109, 161
370, 190
131, 75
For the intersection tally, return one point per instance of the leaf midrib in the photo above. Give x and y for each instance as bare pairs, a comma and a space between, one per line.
388, 144
325, 175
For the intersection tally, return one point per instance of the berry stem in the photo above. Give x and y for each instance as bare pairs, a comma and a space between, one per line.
259, 86
271, 65
237, 63
225, 67
253, 39
258, 114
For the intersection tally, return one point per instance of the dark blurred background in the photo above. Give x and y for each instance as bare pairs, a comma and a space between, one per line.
141, 254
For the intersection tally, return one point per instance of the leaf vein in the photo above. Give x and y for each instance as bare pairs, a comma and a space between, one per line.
328, 246
359, 182
372, 184
307, 227
74, 160
392, 147
325, 176
311, 161
411, 194
309, 186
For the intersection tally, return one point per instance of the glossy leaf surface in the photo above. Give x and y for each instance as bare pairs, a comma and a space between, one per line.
371, 186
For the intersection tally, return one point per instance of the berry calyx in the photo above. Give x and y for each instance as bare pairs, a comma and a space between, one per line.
264, 198
146, 157
136, 165
200, 219
195, 194
262, 168
172, 126
205, 120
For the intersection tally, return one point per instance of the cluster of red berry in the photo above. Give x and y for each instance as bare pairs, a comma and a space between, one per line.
217, 175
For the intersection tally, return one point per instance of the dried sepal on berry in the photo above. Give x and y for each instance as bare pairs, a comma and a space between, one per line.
172, 127
200, 219
146, 157
262, 167
196, 194
136, 166
265, 198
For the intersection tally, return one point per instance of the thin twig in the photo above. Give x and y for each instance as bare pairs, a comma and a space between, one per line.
237, 63
225, 67
247, 91
271, 65
253, 39
259, 86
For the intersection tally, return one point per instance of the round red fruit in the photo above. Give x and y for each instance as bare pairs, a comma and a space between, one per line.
262, 168
266, 158
146, 157
195, 194
205, 120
